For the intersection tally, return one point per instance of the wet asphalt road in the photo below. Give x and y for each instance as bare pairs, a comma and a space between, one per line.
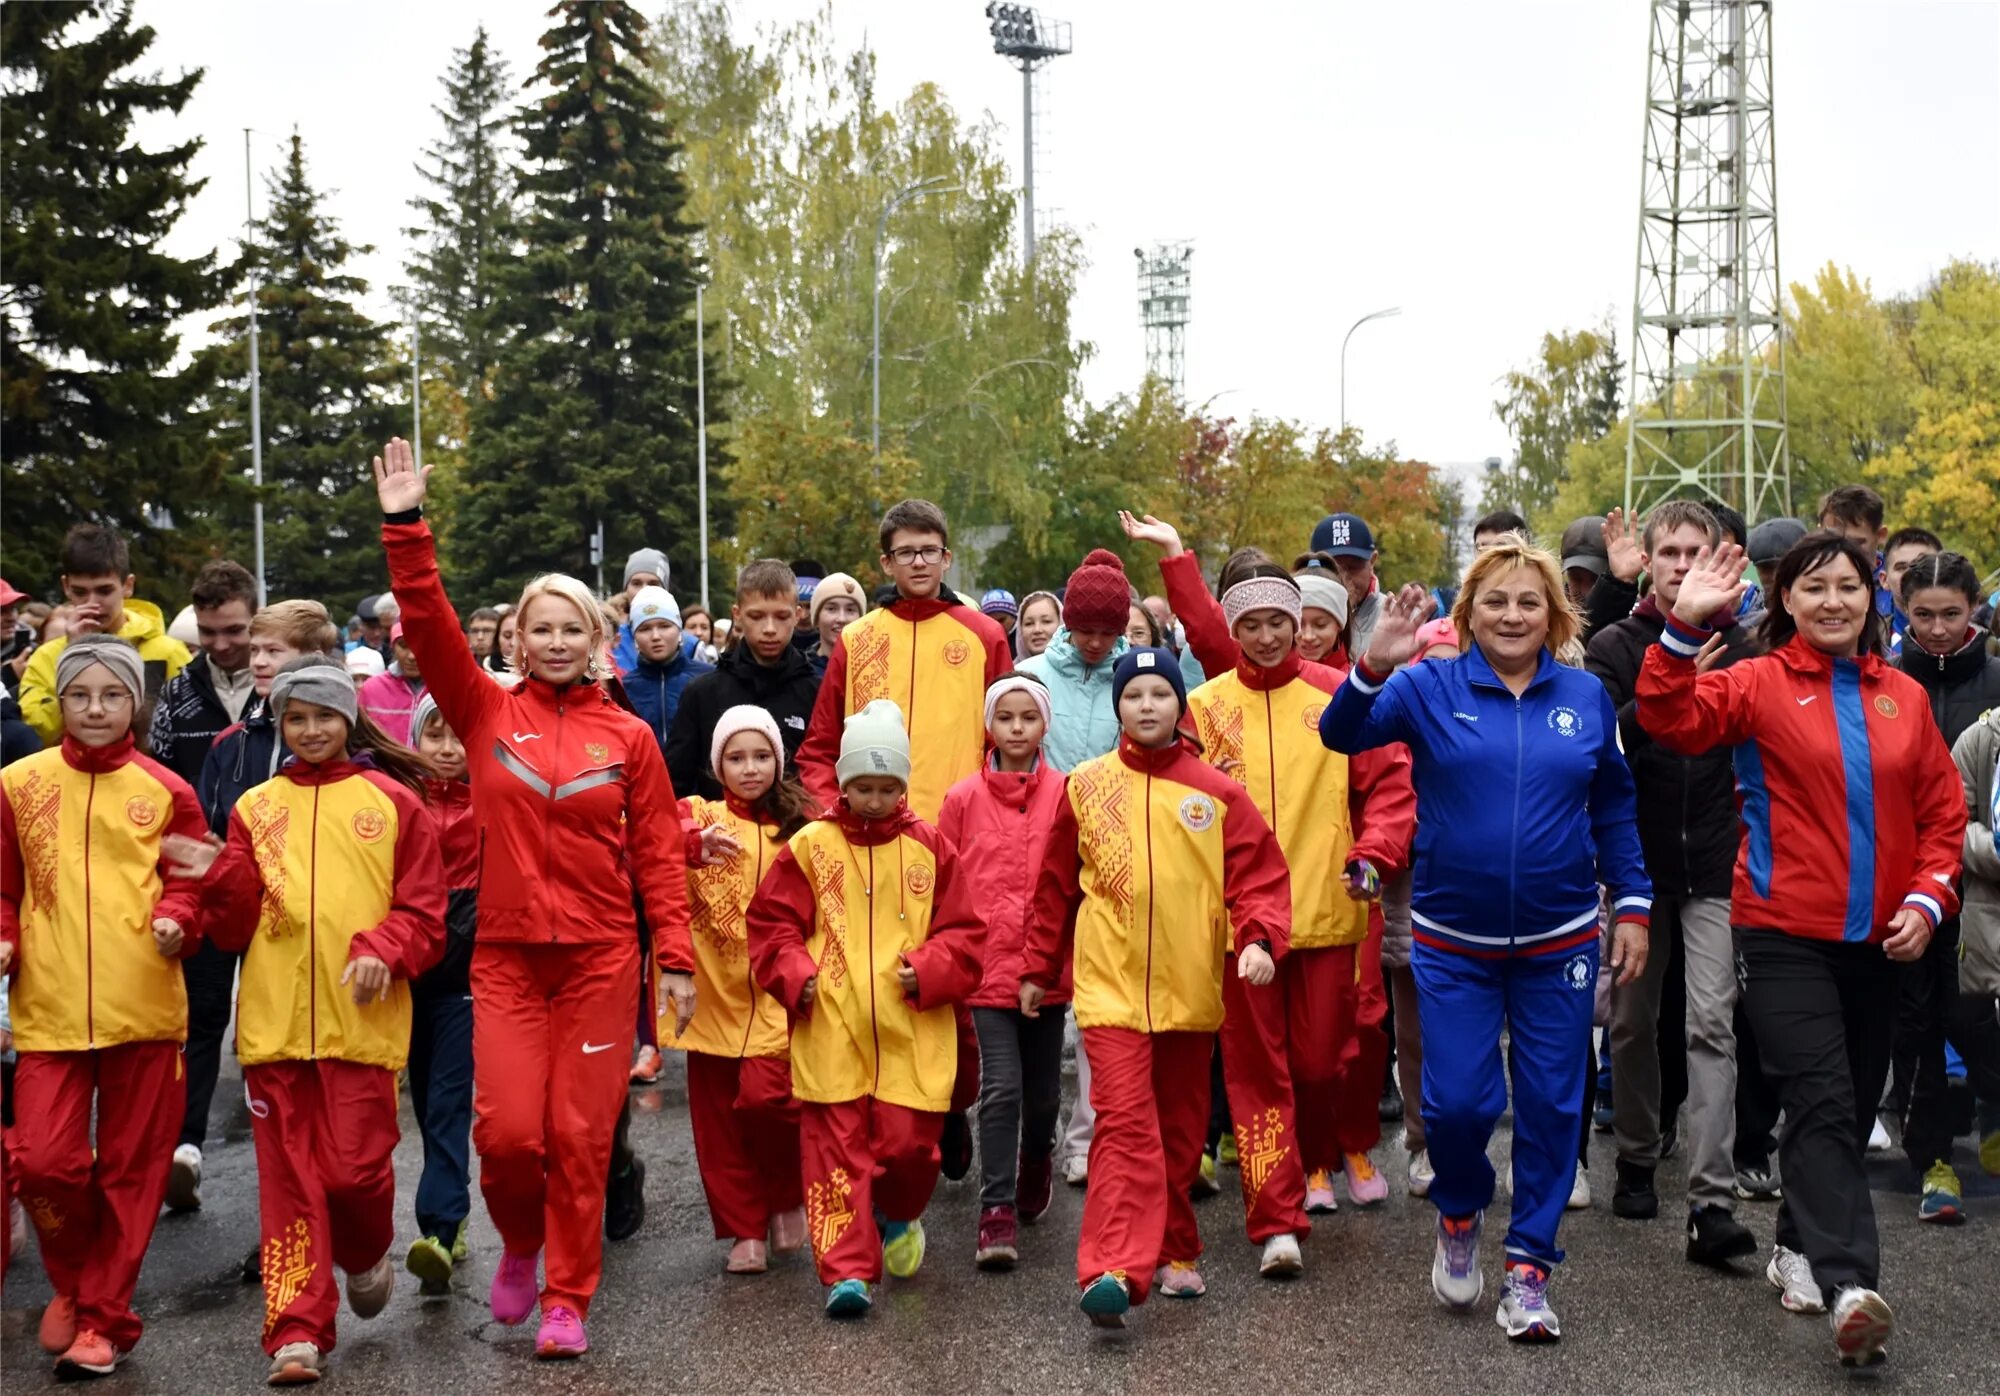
1637, 1316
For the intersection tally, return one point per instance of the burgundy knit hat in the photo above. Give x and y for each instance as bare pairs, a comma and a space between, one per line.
1098, 597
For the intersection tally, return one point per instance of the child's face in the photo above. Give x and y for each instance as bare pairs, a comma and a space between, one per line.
1017, 728
835, 614
225, 634
1267, 636
1901, 559
766, 625
1148, 710
749, 766
439, 743
97, 707
96, 603
268, 654
657, 640
698, 626
873, 797
915, 561
1039, 619
1092, 646
314, 734
1319, 632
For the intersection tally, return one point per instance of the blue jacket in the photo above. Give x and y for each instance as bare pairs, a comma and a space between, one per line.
655, 690
625, 651
243, 757
1085, 722
1523, 804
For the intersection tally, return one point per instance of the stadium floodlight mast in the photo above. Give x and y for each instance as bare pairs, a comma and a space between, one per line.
1021, 34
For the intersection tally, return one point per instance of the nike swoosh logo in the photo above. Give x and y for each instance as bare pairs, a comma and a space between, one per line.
1803, 701
527, 736
590, 1049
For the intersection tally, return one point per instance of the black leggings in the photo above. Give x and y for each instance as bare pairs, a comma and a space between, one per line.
1020, 1094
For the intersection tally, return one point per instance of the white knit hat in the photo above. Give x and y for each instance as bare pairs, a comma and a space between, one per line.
874, 743
744, 717
653, 603
1320, 592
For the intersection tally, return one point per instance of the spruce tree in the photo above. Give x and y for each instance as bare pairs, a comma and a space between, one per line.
330, 397
99, 421
470, 180
592, 411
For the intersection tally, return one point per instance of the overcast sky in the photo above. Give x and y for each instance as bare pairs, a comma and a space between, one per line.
1475, 163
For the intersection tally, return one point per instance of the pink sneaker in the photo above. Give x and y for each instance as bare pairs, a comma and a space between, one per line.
1365, 1186
1178, 1279
514, 1290
561, 1334
1319, 1193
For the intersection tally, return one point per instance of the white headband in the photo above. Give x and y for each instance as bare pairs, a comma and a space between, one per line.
1261, 594
1019, 683
1322, 593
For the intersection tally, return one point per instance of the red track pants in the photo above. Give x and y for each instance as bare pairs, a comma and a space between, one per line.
326, 1135
858, 1158
1257, 1074
1338, 1054
552, 1030
95, 1216
746, 1140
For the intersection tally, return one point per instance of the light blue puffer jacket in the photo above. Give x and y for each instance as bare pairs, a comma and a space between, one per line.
1086, 721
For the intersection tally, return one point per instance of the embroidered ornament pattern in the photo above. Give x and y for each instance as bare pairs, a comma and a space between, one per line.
288, 1265
867, 665
1099, 791
829, 878
827, 1214
1260, 1148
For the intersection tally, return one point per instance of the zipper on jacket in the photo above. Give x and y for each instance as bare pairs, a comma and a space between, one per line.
1687, 852
910, 719
1514, 844
1149, 901
89, 927
1271, 751
549, 810
874, 1015
749, 977
312, 935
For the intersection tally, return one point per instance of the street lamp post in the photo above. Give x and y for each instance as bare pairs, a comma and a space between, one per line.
908, 194
1372, 315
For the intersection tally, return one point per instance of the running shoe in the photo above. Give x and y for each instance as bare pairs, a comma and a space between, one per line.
58, 1328
998, 1234
184, 1180
1634, 1198
1670, 1138
1076, 1170
748, 1257
1319, 1193
459, 1249
1365, 1184
294, 1364
1601, 1118
1456, 1279
1715, 1237
647, 1065
1524, 1305
1791, 1275
848, 1299
902, 1248
1422, 1175
1579, 1191
430, 1260
1862, 1324
561, 1334
368, 1292
1989, 1153
625, 1202
788, 1231
514, 1291
92, 1355
1281, 1258
1225, 1150
1178, 1279
1942, 1201
1758, 1185
1879, 1141
1107, 1301
1035, 1186
1206, 1184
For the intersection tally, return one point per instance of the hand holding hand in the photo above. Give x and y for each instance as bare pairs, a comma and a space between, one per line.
167, 936
718, 845
906, 977
1630, 943
1909, 935
370, 978
1394, 642
188, 857
1255, 965
399, 485
1710, 655
677, 993
1032, 995
1160, 534
6, 956
1715, 582
1626, 561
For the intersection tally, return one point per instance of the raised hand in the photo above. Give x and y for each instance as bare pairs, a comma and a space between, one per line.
398, 482
1715, 582
1394, 642
1160, 534
1626, 561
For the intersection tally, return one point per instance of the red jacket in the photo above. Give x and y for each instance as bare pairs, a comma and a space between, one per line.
1006, 816
560, 777
1850, 803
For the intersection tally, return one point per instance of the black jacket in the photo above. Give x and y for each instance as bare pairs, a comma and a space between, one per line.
1961, 685
1688, 827
242, 758
786, 690
187, 720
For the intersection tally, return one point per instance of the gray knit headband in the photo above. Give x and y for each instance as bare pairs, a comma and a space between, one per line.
1261, 594
327, 684
115, 654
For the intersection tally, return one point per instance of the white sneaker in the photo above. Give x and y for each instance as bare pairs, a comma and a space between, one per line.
1422, 1175
1791, 1275
1281, 1257
1524, 1306
1579, 1191
1076, 1170
1456, 1278
368, 1292
184, 1180
1878, 1138
1862, 1324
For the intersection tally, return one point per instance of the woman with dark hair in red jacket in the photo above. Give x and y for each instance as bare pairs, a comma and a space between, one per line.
573, 807
1853, 818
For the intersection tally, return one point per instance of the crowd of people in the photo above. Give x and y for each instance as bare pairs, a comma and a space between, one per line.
1612, 835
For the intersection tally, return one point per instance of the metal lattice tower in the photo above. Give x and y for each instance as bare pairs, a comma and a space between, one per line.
1021, 34
1707, 388
1165, 282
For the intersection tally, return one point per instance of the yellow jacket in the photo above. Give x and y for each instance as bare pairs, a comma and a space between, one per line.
847, 902
80, 885
164, 657
1154, 854
326, 864
1267, 721
733, 1016
933, 659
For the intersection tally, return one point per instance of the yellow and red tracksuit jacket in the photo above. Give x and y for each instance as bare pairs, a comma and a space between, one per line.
733, 1017
848, 900
325, 864
933, 659
80, 885
1154, 855
1267, 721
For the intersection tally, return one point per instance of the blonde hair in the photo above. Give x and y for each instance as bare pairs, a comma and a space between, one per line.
1565, 625
304, 625
563, 588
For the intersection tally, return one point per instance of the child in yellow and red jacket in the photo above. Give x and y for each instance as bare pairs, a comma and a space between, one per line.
738, 1039
332, 885
865, 930
93, 938
1154, 857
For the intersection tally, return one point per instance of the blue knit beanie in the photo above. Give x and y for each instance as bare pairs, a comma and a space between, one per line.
1147, 659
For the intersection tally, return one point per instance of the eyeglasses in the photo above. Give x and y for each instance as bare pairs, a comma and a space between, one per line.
914, 557
111, 700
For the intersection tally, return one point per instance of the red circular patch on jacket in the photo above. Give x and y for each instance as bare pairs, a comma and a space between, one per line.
956, 653
918, 880
1886, 705
1311, 716
142, 812
369, 825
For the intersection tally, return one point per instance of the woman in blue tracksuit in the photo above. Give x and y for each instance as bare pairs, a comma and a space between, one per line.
1524, 805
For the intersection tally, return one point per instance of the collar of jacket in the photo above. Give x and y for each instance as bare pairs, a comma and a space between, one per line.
754, 671
1805, 657
96, 760
743, 811
872, 832
1722, 622
1480, 671
447, 793
1259, 679
1150, 759
548, 694
887, 598
1936, 670
916, 608
1012, 785
300, 771
1063, 656
663, 671
257, 712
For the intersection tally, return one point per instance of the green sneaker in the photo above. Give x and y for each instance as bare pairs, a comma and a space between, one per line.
459, 1250
1942, 1201
902, 1248
1225, 1153
1206, 1184
431, 1262
1989, 1153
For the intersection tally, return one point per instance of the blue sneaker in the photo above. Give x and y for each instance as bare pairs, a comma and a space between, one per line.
1942, 1202
1455, 1276
1106, 1301
848, 1299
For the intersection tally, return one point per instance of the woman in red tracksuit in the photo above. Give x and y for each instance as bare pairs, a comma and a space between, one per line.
573, 807
1853, 818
